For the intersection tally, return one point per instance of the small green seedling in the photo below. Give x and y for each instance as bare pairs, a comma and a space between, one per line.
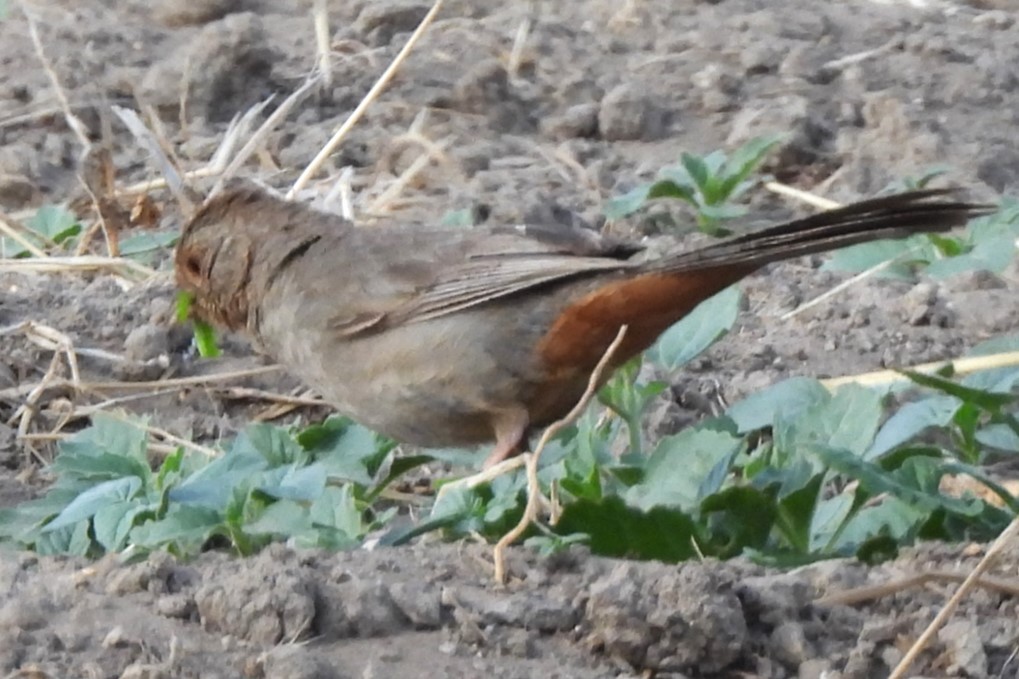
205, 336
708, 183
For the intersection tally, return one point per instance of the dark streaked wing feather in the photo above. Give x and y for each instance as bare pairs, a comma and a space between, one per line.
495, 276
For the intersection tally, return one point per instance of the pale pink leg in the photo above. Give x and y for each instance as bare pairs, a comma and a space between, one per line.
510, 436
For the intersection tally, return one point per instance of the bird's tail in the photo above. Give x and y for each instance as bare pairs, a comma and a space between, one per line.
897, 216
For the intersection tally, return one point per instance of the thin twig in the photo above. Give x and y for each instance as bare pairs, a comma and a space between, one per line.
534, 496
195, 381
264, 130
8, 227
407, 176
247, 393
867, 273
993, 552
801, 195
119, 265
851, 59
516, 55
320, 16
73, 121
859, 595
148, 140
373, 94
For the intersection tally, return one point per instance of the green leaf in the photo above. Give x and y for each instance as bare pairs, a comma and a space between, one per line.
24, 523
910, 420
848, 419
294, 482
915, 483
992, 402
186, 526
738, 518
721, 212
827, 521
628, 203
112, 523
666, 188
51, 224
69, 540
619, 530
684, 468
698, 330
54, 223
992, 255
205, 340
112, 435
893, 517
458, 218
91, 468
213, 486
347, 451
864, 256
92, 500
995, 345
273, 443
798, 498
697, 168
397, 468
742, 162
141, 246
284, 518
1000, 436
337, 509
792, 396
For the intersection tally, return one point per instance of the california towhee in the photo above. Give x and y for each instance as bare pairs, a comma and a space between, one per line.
451, 337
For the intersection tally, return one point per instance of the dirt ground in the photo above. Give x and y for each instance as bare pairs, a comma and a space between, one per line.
604, 94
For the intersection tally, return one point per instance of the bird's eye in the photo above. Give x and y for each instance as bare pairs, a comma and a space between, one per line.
193, 265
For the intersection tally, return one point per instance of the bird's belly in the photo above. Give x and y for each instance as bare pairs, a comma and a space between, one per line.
435, 383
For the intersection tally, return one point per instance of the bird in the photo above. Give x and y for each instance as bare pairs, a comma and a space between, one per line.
453, 337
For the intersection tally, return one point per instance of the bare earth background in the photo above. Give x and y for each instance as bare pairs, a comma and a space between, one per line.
607, 92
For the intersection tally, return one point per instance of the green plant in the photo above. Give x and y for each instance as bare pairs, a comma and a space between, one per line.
708, 183
205, 336
788, 475
54, 227
319, 486
988, 244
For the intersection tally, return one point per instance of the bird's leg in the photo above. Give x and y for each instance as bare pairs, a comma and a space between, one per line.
510, 436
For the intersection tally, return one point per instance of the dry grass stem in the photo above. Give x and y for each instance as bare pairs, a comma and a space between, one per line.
391, 192
880, 266
859, 595
247, 393
340, 198
373, 94
516, 54
320, 16
195, 381
960, 366
12, 230
126, 268
148, 140
801, 195
265, 129
971, 581
73, 121
852, 59
534, 495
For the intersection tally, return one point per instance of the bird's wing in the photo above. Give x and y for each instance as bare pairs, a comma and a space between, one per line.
441, 272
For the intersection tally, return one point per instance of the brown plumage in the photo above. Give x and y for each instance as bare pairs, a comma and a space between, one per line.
448, 337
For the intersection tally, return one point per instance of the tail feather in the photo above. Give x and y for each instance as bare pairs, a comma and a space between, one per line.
897, 216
